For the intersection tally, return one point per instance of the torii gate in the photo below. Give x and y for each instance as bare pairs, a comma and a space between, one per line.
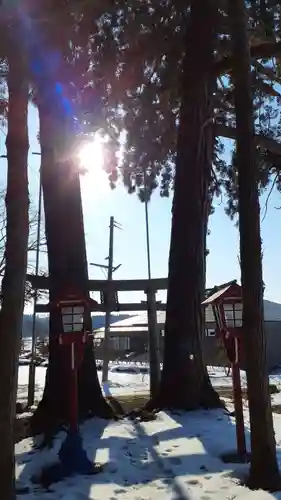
109, 291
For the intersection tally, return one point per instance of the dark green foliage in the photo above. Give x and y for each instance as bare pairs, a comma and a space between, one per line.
120, 66
137, 56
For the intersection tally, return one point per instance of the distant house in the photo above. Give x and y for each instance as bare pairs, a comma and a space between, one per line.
129, 337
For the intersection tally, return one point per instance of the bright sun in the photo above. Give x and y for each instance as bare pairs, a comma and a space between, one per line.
91, 157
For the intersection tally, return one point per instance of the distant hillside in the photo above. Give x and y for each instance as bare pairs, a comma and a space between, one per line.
42, 323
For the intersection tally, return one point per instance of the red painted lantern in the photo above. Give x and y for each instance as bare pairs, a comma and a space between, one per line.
73, 336
72, 339
227, 308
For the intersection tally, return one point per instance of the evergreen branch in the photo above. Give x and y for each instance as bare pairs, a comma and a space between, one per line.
229, 132
262, 51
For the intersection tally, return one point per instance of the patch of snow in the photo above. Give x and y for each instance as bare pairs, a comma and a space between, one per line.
174, 457
40, 375
134, 382
119, 382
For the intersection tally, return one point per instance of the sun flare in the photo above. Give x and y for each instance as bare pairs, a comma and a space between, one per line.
91, 157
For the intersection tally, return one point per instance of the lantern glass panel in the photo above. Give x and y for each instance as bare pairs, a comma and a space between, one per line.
78, 309
66, 310
233, 314
72, 318
238, 312
209, 314
67, 328
217, 316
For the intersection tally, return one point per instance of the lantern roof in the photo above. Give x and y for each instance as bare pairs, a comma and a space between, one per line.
91, 303
230, 292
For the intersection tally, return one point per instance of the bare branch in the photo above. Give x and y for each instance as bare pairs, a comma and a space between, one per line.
32, 246
268, 196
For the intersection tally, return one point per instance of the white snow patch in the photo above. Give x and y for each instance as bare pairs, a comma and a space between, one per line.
119, 383
133, 383
174, 457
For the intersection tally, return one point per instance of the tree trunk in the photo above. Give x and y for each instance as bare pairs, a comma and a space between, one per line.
264, 469
68, 271
13, 284
185, 383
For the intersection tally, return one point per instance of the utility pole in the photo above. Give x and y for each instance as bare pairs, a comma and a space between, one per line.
147, 235
154, 343
153, 331
109, 298
31, 375
106, 342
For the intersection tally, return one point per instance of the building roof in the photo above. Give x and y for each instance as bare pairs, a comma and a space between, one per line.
272, 312
122, 331
140, 319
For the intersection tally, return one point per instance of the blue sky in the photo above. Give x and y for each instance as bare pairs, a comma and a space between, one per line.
99, 203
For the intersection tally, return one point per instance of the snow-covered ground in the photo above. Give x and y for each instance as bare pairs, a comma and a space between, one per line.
175, 457
119, 383
131, 383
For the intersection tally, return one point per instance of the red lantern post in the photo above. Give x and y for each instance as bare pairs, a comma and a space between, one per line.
73, 337
227, 309
232, 343
238, 402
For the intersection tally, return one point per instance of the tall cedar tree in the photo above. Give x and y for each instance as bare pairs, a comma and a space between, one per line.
65, 238
264, 468
13, 284
67, 271
185, 383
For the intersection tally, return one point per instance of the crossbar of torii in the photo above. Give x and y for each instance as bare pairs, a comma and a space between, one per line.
111, 288
42, 283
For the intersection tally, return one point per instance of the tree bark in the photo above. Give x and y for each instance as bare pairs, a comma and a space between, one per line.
68, 271
13, 284
264, 468
185, 383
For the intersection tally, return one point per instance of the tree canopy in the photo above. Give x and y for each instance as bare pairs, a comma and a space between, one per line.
136, 79
119, 82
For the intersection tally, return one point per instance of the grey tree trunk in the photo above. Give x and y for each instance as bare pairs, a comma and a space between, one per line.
13, 284
185, 383
264, 468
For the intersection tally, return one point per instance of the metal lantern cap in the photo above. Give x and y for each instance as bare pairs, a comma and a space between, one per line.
226, 293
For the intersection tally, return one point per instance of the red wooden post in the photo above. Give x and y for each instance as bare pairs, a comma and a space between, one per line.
238, 403
73, 407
